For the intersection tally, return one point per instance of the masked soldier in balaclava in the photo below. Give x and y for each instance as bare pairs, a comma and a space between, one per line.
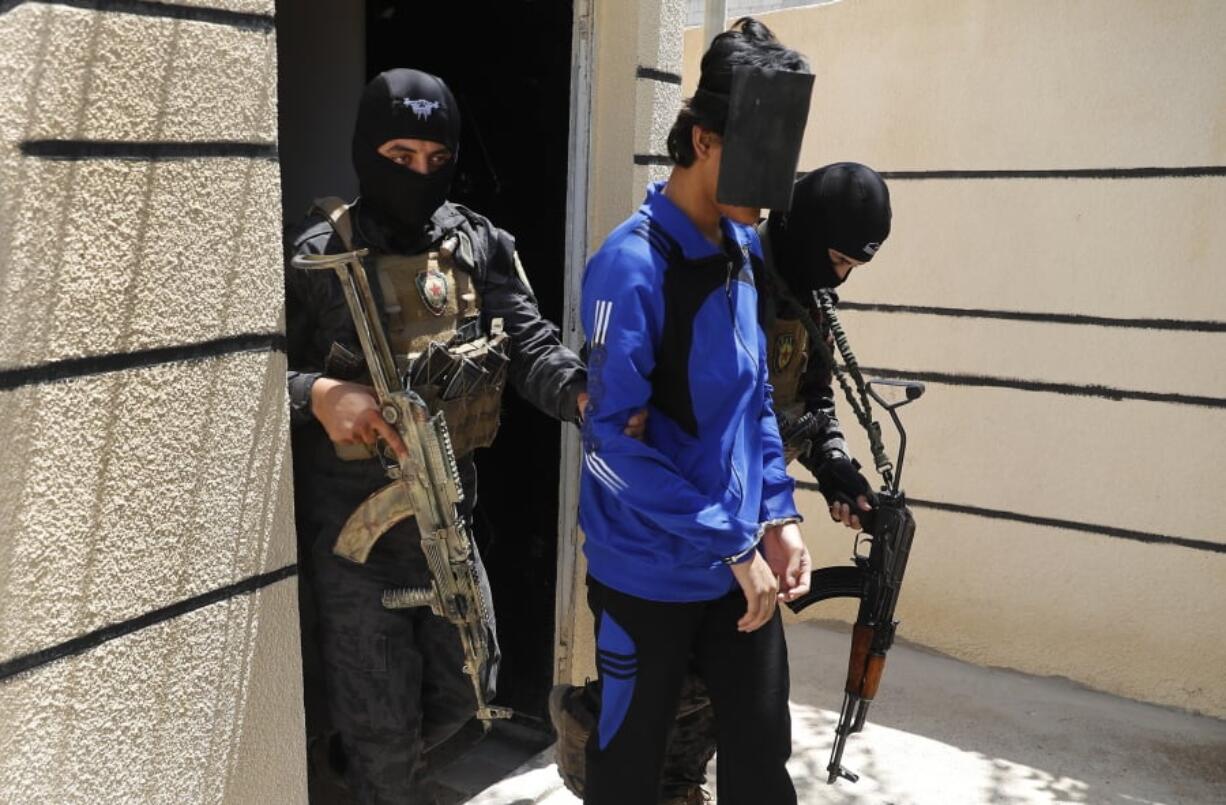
840, 216
838, 219
461, 319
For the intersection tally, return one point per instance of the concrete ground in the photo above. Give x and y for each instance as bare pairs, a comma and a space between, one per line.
942, 731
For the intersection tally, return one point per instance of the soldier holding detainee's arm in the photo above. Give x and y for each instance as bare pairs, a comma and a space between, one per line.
461, 320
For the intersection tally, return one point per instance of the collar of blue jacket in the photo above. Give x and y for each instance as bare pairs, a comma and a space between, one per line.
694, 245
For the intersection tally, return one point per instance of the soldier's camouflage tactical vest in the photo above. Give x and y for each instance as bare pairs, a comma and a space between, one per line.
787, 355
433, 324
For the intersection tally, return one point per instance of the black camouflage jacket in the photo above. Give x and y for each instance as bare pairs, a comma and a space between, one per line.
816, 385
542, 370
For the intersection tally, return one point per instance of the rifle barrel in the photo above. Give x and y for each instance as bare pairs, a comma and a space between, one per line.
847, 718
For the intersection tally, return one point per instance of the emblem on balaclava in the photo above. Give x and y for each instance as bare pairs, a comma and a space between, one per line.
432, 286
785, 348
423, 108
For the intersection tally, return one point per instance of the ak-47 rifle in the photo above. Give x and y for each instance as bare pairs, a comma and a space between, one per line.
426, 484
888, 530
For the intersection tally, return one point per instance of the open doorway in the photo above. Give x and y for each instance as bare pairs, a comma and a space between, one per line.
509, 66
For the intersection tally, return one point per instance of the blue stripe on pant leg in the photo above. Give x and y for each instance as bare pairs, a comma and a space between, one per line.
617, 684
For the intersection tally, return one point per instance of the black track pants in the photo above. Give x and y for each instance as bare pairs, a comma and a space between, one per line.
643, 650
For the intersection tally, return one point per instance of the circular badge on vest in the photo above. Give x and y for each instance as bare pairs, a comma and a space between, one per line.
432, 286
785, 348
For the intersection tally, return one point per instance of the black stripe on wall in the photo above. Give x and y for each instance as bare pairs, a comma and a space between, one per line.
70, 368
1065, 173
1103, 392
150, 8
1184, 325
653, 74
652, 159
103, 149
1054, 522
1193, 171
1060, 173
97, 637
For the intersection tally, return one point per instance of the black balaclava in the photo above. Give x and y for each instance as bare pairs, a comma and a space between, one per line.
404, 104
844, 206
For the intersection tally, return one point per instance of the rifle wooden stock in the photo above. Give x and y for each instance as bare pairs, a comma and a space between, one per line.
864, 668
857, 662
872, 675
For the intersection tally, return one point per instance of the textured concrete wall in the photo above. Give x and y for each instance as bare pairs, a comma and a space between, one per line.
636, 93
1020, 420
148, 627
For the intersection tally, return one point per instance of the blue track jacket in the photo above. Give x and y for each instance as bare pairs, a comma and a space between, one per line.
672, 326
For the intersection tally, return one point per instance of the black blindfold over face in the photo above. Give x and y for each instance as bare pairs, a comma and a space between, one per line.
767, 113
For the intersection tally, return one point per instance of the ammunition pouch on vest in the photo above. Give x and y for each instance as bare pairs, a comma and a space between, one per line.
434, 328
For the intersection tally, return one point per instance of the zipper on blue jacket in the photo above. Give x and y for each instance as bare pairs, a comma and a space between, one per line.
736, 333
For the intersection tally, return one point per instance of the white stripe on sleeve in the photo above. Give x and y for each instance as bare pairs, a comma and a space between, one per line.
604, 310
609, 470
599, 473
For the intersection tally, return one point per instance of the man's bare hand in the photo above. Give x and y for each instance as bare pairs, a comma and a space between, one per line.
349, 413
788, 559
842, 513
636, 425
761, 589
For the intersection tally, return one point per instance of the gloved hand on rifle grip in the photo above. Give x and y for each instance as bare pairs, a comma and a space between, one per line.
847, 491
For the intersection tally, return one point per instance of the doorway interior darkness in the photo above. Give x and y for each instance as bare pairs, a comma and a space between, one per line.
508, 64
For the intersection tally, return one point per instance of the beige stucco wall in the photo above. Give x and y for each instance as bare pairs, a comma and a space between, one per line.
133, 484
956, 84
630, 116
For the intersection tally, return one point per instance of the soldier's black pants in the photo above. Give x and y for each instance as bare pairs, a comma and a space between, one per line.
643, 650
393, 679
394, 684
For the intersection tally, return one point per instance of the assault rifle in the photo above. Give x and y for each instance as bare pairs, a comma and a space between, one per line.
876, 579
426, 484
887, 530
